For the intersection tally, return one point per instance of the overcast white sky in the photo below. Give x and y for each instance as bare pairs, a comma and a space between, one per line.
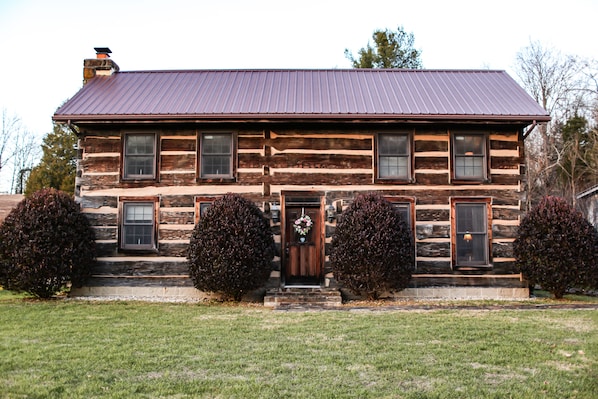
43, 42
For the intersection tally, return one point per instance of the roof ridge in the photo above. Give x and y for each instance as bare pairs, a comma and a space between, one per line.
354, 70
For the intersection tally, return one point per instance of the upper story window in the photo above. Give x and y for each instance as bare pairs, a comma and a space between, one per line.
138, 224
139, 156
469, 157
216, 155
394, 156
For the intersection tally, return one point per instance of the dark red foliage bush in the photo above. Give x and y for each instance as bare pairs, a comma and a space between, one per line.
372, 248
231, 248
556, 247
45, 243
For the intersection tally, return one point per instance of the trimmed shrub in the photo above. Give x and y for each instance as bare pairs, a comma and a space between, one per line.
372, 248
231, 248
45, 243
556, 247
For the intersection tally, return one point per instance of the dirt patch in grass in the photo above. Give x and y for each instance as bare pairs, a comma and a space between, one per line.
7, 203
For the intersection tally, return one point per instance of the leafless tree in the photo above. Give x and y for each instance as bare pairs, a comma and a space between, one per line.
554, 80
10, 126
562, 85
577, 157
26, 152
19, 150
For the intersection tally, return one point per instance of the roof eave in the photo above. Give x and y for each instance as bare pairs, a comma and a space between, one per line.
297, 117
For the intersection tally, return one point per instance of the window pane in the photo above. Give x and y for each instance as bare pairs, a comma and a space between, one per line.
393, 167
470, 144
469, 166
216, 144
203, 207
471, 218
139, 213
139, 165
140, 144
215, 165
472, 251
393, 144
138, 235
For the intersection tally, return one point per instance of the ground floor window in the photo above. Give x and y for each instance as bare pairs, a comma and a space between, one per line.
201, 206
405, 207
138, 224
471, 245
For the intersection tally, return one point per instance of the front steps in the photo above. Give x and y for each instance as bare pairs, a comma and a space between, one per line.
294, 297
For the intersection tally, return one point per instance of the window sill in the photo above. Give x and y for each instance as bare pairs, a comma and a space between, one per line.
216, 180
472, 268
138, 179
394, 181
137, 251
470, 181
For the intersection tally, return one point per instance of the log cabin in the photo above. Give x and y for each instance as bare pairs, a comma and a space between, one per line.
444, 146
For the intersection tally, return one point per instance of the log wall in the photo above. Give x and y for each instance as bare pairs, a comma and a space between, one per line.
270, 159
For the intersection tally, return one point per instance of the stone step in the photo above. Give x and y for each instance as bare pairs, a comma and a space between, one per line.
303, 297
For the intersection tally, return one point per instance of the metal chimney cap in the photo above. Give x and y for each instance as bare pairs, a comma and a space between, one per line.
102, 50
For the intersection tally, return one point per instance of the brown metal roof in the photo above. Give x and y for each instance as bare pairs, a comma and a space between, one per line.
284, 94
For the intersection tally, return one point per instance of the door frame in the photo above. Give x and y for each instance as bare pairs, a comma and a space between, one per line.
286, 197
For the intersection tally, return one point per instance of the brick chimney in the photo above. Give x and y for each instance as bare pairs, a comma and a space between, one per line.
102, 65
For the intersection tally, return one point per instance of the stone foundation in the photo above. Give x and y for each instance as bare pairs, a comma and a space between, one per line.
274, 297
157, 293
452, 292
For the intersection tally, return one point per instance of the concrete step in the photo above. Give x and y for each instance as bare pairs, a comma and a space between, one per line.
302, 297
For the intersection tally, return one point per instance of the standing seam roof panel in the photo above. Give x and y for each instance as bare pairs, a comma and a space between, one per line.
417, 96
462, 104
409, 98
440, 101
454, 96
483, 95
508, 92
302, 92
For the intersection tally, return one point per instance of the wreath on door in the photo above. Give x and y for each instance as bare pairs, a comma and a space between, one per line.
303, 224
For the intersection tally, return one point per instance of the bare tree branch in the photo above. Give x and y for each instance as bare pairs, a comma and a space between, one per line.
19, 150
565, 86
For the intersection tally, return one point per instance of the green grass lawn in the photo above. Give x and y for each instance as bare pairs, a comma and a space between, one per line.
78, 349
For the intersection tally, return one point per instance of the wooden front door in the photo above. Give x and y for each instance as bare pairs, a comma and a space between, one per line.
302, 252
